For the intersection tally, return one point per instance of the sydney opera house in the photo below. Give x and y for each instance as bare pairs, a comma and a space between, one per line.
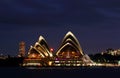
69, 53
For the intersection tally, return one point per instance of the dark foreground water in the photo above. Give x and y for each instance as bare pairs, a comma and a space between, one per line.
63, 72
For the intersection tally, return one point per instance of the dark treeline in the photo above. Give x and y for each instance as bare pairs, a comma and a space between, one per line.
105, 58
11, 61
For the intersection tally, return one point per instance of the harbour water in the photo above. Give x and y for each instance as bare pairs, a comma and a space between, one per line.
60, 72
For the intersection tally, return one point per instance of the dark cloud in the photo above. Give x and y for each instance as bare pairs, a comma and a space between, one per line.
95, 23
35, 12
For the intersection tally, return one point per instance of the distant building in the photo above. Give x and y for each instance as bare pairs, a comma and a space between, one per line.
111, 51
21, 49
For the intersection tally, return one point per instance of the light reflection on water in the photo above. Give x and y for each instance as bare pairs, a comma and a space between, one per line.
60, 72
71, 68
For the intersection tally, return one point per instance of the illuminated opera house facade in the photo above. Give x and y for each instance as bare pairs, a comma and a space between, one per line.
69, 53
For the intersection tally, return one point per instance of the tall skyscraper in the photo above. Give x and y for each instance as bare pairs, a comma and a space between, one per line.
21, 49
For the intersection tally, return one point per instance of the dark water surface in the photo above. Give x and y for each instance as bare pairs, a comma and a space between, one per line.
60, 72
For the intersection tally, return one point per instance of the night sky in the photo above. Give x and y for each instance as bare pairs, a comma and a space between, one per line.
96, 23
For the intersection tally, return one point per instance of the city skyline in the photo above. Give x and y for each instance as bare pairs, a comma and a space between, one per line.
94, 23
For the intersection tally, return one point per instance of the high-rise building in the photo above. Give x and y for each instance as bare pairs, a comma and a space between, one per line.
21, 49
